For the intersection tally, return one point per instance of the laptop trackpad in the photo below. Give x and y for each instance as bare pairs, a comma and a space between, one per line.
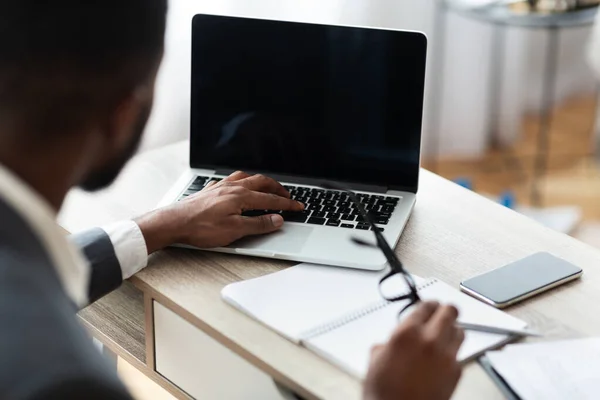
290, 239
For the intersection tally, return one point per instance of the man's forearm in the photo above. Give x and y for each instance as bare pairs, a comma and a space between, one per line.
161, 228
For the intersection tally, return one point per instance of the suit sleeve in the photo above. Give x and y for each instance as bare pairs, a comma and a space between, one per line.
115, 252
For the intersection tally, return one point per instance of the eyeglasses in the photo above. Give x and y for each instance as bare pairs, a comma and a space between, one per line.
396, 267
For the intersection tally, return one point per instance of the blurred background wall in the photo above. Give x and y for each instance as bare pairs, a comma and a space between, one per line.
466, 72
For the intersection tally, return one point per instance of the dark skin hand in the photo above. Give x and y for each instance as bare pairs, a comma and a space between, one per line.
212, 217
419, 361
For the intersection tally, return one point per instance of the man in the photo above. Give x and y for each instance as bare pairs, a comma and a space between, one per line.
76, 87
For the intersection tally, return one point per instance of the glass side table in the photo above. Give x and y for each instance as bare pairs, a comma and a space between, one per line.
502, 15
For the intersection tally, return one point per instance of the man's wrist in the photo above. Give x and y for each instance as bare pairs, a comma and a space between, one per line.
161, 228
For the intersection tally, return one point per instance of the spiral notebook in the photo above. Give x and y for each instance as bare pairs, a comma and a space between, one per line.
339, 313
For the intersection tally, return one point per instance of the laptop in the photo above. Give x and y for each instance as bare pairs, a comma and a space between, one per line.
307, 103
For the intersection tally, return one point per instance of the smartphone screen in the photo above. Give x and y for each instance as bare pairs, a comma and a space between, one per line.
521, 279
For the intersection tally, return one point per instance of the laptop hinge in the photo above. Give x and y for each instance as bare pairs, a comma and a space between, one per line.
313, 181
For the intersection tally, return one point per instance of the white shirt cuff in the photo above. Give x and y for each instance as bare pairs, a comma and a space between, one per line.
130, 246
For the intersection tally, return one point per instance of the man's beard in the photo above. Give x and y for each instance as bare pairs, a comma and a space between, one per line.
105, 176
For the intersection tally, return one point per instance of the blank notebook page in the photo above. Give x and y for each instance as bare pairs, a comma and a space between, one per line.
302, 298
349, 345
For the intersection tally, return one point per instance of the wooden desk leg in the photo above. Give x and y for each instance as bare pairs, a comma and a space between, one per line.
149, 311
150, 368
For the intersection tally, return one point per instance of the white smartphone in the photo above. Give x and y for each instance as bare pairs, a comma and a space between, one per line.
521, 280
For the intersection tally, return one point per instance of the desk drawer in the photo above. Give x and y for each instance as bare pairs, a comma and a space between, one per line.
201, 366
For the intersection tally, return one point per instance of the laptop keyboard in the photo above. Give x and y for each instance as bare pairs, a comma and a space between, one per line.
322, 207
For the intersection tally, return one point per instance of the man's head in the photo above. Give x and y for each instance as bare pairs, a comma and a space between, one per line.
70, 68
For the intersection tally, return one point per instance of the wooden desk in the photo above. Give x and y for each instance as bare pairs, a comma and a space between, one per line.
453, 234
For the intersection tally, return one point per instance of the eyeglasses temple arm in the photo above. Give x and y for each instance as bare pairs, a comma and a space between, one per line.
389, 254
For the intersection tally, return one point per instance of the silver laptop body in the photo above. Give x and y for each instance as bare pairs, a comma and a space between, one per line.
307, 103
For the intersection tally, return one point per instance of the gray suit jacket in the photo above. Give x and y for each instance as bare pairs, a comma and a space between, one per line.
44, 351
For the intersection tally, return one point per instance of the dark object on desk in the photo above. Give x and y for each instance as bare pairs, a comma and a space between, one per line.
506, 390
304, 103
521, 280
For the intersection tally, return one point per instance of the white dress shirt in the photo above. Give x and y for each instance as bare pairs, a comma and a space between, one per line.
130, 246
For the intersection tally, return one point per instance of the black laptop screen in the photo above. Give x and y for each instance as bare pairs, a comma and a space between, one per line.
317, 101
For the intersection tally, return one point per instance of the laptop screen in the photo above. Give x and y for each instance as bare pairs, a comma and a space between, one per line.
316, 101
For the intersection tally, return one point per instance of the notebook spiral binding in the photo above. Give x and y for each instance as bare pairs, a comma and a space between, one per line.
353, 316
